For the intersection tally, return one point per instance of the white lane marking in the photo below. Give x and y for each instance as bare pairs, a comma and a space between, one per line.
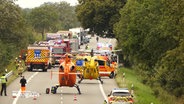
61, 97
19, 92
102, 90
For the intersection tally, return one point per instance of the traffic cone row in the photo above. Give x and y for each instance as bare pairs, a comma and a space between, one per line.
75, 98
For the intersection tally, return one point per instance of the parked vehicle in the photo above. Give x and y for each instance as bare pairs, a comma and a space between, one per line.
37, 58
105, 67
120, 96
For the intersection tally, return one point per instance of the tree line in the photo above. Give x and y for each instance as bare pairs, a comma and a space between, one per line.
22, 26
150, 33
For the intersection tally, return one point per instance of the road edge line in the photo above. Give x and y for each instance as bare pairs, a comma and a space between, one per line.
16, 99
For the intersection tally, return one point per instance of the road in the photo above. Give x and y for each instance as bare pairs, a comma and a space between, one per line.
93, 92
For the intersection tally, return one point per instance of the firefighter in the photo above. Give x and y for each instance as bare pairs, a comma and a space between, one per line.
20, 70
16, 60
3, 84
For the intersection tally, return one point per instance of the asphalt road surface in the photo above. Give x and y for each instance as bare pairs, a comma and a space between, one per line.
93, 92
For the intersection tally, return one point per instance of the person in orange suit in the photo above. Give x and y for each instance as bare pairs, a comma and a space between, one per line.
23, 84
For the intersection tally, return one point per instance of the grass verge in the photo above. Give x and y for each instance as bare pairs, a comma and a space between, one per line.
142, 94
11, 67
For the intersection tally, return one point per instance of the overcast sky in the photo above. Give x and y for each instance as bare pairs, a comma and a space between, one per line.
37, 3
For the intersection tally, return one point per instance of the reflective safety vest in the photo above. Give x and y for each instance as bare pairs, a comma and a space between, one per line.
3, 79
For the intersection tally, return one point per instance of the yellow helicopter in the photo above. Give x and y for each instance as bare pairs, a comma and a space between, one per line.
88, 67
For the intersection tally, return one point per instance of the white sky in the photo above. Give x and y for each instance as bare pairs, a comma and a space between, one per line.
37, 3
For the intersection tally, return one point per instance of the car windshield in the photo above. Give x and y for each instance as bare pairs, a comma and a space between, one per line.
101, 63
122, 94
57, 50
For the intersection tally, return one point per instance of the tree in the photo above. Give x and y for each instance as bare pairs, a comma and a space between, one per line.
151, 31
170, 71
67, 16
99, 15
13, 32
44, 18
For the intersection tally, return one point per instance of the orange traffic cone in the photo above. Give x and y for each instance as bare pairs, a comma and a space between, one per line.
75, 98
34, 98
14, 96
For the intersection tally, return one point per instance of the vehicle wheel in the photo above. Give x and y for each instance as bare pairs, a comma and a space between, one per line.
53, 90
29, 69
45, 70
79, 82
111, 75
49, 66
47, 90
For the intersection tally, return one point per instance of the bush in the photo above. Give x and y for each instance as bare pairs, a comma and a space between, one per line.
178, 92
156, 92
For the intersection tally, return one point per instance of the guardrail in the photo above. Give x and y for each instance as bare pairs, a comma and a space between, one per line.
9, 74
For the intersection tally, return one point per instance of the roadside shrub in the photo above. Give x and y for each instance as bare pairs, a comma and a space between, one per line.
156, 92
178, 92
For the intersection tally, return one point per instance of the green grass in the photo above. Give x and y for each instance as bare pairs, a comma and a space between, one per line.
142, 94
12, 67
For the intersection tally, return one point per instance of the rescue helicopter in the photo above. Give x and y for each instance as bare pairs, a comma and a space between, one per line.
89, 69
97, 64
66, 75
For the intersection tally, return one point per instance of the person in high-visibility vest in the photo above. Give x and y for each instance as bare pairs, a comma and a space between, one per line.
3, 84
20, 70
23, 84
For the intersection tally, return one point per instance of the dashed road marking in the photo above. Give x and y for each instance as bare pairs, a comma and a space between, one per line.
19, 92
61, 97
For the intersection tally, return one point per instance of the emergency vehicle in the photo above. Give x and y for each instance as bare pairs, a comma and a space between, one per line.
104, 46
57, 50
74, 45
37, 58
105, 66
53, 36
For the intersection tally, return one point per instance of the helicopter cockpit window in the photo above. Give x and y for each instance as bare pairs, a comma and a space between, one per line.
61, 67
72, 68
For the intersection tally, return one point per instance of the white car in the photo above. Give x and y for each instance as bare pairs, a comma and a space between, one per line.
120, 96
